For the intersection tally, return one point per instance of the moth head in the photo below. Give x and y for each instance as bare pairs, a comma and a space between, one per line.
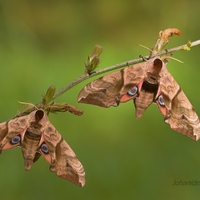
157, 65
38, 116
154, 66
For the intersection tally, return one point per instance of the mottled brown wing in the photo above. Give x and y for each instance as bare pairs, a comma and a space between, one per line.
108, 90
11, 132
179, 114
62, 159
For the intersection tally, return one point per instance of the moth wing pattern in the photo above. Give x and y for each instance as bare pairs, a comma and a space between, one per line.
37, 136
10, 129
153, 82
180, 114
62, 159
108, 90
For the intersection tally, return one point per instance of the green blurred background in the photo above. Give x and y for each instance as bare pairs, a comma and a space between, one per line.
45, 42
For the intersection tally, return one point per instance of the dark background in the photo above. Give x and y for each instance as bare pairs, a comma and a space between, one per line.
45, 43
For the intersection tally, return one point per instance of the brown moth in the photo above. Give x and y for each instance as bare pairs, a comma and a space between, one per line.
37, 136
145, 83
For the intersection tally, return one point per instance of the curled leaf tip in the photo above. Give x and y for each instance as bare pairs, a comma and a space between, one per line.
163, 37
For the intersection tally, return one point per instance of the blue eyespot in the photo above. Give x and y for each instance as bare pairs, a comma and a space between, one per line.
44, 148
133, 91
161, 100
16, 139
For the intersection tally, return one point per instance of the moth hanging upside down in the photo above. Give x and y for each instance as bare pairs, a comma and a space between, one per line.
37, 136
145, 83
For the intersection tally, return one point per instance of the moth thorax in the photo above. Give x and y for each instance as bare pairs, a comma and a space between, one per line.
150, 85
33, 133
153, 78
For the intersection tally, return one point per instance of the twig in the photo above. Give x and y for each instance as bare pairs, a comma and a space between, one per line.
117, 66
85, 76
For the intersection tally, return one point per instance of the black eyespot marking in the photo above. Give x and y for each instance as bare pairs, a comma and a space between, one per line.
133, 91
161, 100
44, 148
15, 140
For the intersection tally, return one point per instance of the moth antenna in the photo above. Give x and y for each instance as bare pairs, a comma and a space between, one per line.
170, 57
180, 61
152, 52
145, 47
29, 104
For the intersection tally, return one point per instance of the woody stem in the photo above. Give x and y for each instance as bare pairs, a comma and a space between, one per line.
120, 65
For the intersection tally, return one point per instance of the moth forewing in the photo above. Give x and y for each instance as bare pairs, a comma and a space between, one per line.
108, 90
67, 165
11, 132
60, 156
183, 118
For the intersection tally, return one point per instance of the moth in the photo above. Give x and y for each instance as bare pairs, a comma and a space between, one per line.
145, 83
37, 136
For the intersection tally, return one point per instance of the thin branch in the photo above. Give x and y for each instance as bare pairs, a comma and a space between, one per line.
118, 66
85, 76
